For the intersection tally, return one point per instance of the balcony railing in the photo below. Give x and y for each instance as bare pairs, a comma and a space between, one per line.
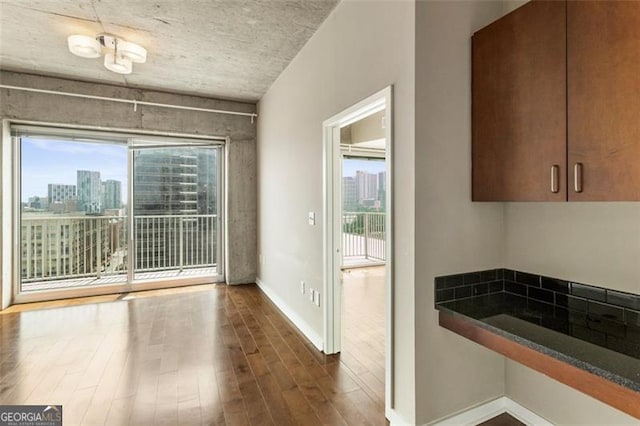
175, 242
66, 247
89, 250
363, 238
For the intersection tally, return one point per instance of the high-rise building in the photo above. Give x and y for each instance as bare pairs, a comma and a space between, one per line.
366, 186
111, 194
165, 182
38, 203
181, 186
382, 189
349, 193
89, 190
59, 192
361, 185
64, 246
207, 182
372, 186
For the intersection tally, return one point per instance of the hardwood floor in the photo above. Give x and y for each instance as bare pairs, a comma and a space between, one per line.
363, 328
503, 419
198, 355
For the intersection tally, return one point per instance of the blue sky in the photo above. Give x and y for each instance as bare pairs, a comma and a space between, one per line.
350, 166
47, 161
54, 161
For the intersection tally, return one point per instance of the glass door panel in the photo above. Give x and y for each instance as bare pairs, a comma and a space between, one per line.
176, 212
73, 223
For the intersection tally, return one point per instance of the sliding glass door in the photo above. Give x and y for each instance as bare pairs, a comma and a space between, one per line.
106, 212
73, 223
175, 207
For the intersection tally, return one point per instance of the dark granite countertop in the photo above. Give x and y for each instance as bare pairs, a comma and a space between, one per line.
592, 342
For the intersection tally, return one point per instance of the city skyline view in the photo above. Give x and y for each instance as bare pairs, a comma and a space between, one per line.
50, 161
363, 184
80, 231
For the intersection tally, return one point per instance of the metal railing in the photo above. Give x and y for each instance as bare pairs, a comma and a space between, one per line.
175, 242
364, 236
67, 247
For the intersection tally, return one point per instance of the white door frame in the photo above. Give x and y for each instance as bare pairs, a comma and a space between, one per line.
332, 226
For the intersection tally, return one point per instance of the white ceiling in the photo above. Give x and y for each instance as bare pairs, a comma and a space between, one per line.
233, 49
368, 132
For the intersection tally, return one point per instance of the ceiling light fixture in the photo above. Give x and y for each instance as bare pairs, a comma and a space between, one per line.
119, 54
84, 46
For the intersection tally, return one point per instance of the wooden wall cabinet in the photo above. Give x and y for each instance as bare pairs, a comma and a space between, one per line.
556, 103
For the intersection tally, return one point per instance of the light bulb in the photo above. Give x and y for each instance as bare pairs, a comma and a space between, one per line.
119, 64
84, 46
132, 51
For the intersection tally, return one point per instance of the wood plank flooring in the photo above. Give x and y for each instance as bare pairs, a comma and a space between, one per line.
211, 355
363, 328
504, 419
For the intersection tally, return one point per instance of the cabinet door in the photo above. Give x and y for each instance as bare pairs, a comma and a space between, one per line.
603, 42
519, 105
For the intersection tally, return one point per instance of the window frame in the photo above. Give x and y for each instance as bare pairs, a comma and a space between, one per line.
10, 193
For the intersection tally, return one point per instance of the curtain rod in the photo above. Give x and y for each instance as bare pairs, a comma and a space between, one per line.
135, 103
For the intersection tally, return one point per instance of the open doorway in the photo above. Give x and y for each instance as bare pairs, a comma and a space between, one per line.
358, 255
363, 209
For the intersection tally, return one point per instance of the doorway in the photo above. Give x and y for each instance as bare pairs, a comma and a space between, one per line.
358, 240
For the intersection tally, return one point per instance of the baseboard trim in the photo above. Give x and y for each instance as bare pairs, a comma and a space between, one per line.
523, 414
490, 409
395, 419
301, 324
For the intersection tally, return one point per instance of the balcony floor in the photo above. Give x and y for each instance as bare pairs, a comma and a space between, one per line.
117, 279
360, 262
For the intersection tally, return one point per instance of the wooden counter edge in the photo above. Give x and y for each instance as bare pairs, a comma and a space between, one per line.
613, 394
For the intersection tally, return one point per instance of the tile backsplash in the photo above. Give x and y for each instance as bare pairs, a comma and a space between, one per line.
576, 297
461, 286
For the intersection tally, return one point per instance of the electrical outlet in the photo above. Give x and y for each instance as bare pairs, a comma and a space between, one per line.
317, 299
302, 289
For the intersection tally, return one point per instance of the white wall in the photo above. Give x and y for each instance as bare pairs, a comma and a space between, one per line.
558, 403
452, 234
592, 243
362, 47
596, 243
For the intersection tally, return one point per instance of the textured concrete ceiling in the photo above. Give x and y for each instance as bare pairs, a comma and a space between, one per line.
232, 49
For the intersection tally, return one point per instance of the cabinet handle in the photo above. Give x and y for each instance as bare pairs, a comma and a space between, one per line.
577, 177
555, 174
